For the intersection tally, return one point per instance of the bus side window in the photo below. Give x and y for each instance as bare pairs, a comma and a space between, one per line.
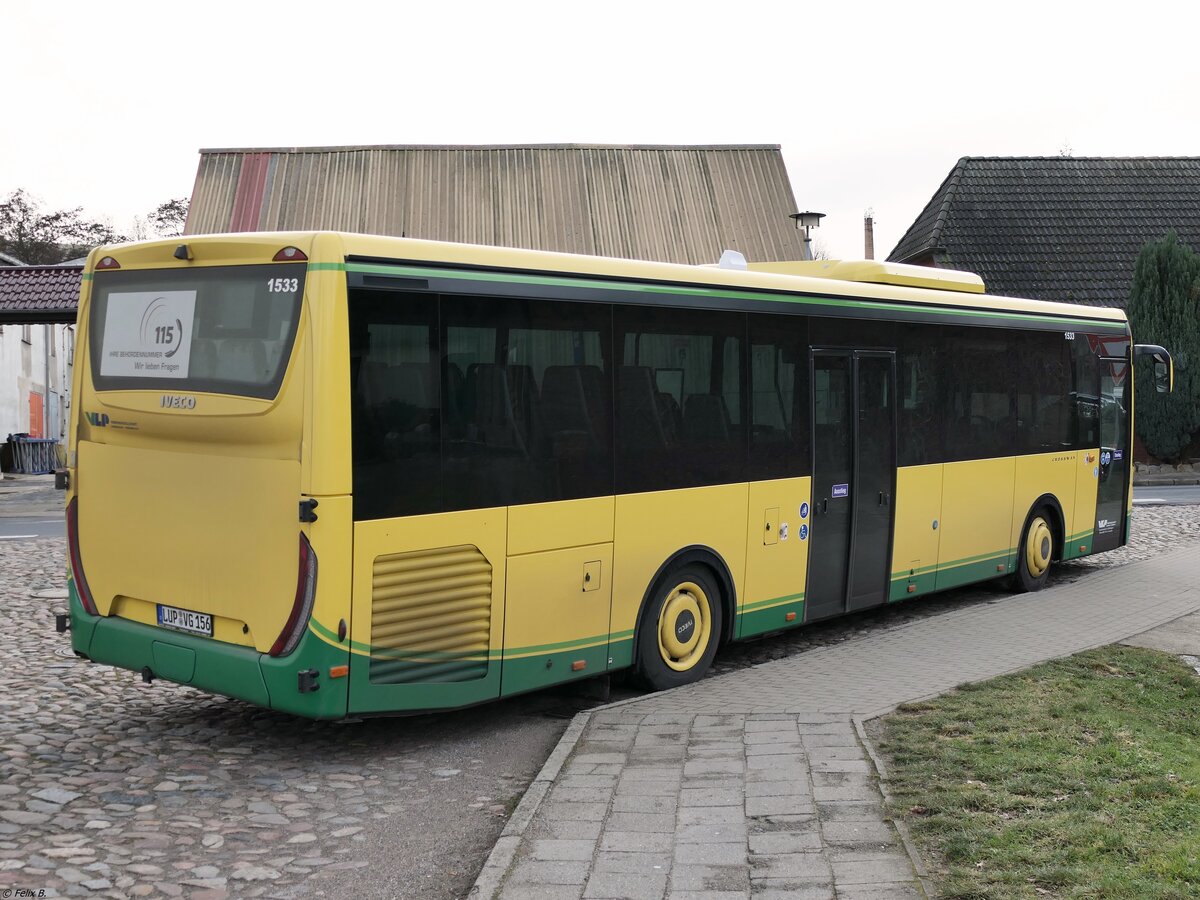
666, 441
981, 409
532, 422
1085, 393
779, 422
920, 412
394, 404
1042, 367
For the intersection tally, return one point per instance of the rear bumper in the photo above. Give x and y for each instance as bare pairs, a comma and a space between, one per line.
213, 666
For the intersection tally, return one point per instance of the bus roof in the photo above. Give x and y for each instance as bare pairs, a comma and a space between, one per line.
865, 279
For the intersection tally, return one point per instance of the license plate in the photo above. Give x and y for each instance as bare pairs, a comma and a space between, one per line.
185, 620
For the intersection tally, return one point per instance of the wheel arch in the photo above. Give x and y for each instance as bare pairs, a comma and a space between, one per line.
1058, 522
711, 560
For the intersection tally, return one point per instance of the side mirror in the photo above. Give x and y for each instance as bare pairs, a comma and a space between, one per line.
1164, 366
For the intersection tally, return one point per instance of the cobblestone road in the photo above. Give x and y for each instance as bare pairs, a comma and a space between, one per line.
110, 787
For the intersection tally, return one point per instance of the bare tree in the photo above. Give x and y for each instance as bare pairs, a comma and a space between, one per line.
168, 218
41, 237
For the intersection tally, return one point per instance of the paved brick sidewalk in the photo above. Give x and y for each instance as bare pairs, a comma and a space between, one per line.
756, 782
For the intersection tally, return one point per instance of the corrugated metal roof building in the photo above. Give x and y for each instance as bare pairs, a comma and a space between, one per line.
681, 204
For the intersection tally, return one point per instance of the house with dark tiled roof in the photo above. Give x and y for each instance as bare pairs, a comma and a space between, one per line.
1055, 228
37, 342
42, 294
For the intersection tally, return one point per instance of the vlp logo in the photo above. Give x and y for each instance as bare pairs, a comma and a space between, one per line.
99, 420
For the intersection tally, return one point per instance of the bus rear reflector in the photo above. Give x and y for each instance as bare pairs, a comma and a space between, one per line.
81, 585
306, 591
290, 254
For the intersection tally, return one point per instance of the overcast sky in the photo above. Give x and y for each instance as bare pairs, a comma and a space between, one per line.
107, 105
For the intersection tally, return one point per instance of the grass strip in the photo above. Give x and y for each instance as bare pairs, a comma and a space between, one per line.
1077, 778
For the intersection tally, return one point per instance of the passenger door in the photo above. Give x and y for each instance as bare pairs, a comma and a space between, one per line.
1114, 455
854, 464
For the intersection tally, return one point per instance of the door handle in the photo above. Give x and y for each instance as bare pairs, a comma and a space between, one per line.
825, 505
884, 499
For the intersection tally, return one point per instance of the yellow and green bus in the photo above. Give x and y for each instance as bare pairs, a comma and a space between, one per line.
344, 475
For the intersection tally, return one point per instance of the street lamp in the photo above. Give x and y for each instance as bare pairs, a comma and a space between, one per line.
807, 221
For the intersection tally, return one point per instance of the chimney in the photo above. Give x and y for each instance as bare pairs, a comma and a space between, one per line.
869, 234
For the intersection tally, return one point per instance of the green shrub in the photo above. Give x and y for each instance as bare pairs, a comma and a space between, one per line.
1164, 309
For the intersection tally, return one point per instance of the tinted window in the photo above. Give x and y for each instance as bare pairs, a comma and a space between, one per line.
221, 330
920, 414
395, 404
979, 406
1085, 393
528, 401
779, 396
1042, 368
679, 398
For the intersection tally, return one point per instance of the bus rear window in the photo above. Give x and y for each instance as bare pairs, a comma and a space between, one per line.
219, 330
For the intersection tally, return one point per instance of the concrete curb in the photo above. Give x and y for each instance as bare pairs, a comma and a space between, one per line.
500, 860
906, 840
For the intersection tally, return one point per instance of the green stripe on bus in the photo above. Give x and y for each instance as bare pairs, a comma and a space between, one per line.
718, 293
494, 653
529, 673
921, 584
953, 563
771, 618
1084, 538
775, 601
966, 573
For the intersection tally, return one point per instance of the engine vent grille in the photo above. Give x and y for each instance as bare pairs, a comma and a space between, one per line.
431, 616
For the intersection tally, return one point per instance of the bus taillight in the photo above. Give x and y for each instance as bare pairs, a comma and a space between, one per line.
306, 590
81, 585
290, 254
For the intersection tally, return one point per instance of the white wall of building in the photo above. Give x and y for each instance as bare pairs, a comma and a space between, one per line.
28, 354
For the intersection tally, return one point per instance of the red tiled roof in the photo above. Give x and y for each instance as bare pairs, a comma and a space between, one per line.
39, 293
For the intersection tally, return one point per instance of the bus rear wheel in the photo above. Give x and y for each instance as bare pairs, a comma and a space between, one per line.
679, 629
1035, 552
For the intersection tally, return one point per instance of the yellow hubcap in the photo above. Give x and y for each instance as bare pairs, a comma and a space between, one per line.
684, 626
1039, 547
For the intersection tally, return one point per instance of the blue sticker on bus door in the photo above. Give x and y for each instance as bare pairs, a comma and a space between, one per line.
841, 490
804, 510
803, 532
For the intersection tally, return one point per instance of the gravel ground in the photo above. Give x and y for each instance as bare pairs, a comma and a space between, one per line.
113, 788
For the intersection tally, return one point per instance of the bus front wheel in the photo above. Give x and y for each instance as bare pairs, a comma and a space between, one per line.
680, 629
1035, 553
